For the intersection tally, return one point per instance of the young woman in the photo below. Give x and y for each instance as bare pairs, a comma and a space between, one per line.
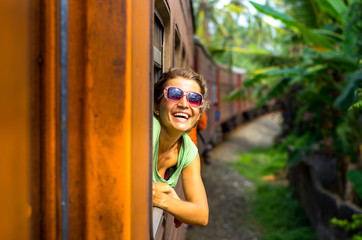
180, 98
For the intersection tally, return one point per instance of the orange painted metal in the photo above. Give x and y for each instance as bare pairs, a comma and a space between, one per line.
14, 119
35, 61
109, 120
76, 128
141, 117
49, 98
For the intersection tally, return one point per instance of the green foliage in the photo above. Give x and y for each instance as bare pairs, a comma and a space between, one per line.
355, 176
296, 26
336, 8
323, 85
354, 224
351, 91
357, 106
280, 213
274, 206
300, 147
231, 41
261, 162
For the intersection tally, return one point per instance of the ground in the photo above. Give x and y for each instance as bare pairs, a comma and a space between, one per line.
226, 189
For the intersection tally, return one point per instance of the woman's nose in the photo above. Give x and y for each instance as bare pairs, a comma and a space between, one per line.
183, 101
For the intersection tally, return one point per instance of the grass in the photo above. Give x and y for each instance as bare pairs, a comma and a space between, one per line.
274, 206
261, 162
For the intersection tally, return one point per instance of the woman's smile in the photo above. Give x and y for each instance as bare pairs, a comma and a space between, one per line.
181, 116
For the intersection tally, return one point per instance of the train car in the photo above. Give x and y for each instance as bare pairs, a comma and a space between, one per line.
223, 115
205, 65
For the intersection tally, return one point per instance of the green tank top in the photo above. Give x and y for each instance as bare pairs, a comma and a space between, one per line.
187, 154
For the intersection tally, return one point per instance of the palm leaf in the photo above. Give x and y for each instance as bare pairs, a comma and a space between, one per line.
336, 8
264, 57
355, 176
303, 11
348, 96
293, 24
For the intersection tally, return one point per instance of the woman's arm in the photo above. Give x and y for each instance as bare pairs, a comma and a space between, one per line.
194, 210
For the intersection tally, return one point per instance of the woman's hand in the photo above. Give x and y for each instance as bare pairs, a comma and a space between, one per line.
161, 190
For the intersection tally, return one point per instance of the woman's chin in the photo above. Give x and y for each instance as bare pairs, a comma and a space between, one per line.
182, 128
182, 125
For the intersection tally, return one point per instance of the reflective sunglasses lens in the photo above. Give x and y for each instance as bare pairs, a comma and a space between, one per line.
195, 99
174, 93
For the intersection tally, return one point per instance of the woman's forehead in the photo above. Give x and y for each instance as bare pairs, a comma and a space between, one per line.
184, 83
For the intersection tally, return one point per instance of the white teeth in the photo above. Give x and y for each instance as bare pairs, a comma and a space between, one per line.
184, 115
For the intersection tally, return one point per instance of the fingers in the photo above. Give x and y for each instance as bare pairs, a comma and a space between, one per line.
162, 187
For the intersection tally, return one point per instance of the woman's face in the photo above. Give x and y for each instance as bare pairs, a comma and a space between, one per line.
179, 116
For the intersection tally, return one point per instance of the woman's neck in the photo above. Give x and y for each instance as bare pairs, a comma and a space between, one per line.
168, 140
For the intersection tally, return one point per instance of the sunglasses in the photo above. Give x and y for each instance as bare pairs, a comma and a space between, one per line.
175, 94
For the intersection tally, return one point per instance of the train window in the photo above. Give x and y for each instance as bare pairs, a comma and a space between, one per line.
177, 50
157, 48
162, 23
183, 57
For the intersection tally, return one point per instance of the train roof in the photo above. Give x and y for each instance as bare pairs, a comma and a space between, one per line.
236, 70
198, 42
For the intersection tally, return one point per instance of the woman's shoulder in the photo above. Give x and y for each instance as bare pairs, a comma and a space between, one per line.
156, 123
187, 141
156, 130
190, 149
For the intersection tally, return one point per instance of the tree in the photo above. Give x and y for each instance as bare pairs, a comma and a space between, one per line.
326, 81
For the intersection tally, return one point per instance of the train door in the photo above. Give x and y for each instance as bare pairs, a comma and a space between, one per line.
77, 141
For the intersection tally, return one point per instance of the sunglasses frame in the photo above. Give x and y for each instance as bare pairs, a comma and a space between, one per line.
184, 94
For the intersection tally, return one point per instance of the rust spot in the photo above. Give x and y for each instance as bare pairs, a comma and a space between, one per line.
119, 66
118, 62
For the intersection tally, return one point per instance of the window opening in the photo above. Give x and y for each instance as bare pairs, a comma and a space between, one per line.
157, 49
176, 51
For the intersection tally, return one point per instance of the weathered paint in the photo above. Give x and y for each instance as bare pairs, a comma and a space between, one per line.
109, 137
14, 119
77, 161
49, 107
141, 118
109, 121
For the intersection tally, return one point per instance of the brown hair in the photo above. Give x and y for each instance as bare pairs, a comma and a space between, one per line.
173, 73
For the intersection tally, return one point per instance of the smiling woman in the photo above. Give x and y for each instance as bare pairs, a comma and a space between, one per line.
179, 101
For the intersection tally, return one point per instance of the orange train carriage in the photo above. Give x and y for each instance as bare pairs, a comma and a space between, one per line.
75, 71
